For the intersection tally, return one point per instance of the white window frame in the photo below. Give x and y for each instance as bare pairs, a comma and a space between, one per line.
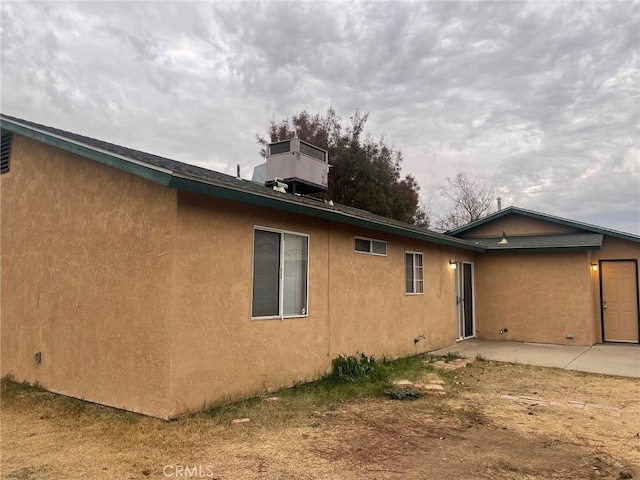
370, 240
414, 278
280, 315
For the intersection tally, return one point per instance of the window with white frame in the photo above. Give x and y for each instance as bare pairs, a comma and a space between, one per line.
280, 274
414, 273
370, 246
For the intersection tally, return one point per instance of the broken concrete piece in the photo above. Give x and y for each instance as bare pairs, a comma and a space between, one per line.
240, 421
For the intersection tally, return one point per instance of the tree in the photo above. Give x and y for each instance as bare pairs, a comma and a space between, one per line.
470, 200
365, 173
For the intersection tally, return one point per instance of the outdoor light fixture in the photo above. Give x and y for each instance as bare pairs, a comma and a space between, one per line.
594, 267
453, 265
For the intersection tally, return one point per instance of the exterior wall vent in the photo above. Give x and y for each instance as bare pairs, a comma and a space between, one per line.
304, 167
5, 152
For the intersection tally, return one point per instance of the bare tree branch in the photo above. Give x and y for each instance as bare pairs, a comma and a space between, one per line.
471, 200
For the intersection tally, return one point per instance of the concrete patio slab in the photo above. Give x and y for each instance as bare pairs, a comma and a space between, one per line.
608, 359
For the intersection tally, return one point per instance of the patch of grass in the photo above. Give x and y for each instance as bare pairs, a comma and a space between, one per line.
26, 473
352, 378
480, 357
451, 356
10, 387
76, 406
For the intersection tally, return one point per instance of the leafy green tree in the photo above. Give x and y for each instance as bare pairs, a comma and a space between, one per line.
365, 173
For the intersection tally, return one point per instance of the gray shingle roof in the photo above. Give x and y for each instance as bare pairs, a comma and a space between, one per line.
201, 180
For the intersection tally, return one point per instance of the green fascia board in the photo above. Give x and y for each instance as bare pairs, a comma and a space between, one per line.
197, 186
155, 174
549, 218
541, 249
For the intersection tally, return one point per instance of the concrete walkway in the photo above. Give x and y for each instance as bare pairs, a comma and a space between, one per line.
609, 359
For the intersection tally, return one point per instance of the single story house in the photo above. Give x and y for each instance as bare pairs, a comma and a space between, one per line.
143, 283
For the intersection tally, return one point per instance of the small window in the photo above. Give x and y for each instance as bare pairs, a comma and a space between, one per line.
5, 152
280, 274
370, 246
414, 273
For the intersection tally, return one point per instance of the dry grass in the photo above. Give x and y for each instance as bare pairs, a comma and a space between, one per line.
320, 432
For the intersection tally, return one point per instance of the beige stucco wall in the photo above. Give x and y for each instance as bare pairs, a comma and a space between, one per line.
513, 224
538, 297
86, 264
356, 303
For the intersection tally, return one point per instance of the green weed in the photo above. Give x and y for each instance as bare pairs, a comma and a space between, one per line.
404, 394
358, 369
451, 356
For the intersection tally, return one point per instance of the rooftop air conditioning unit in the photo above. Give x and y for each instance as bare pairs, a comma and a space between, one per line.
304, 167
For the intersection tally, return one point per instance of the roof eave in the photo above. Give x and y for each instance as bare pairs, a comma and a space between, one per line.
542, 249
135, 167
548, 218
182, 182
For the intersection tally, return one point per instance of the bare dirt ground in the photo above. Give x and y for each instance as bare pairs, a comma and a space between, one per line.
497, 421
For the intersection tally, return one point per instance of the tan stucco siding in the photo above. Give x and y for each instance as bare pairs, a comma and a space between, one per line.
370, 311
219, 352
513, 224
537, 297
356, 303
86, 278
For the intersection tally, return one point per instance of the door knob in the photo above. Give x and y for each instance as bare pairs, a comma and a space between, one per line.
604, 305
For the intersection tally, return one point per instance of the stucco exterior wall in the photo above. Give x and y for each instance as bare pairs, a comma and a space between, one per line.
86, 278
218, 352
517, 225
356, 304
537, 297
370, 311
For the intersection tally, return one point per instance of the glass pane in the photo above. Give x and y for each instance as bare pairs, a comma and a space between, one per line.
295, 274
419, 274
363, 245
408, 269
379, 247
266, 267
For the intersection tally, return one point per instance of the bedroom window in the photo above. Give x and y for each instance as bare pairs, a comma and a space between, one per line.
280, 274
414, 273
370, 246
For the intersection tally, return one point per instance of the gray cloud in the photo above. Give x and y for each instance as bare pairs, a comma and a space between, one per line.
541, 99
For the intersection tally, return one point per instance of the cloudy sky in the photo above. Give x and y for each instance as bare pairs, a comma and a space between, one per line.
541, 99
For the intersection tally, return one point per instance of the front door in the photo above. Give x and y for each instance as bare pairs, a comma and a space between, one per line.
464, 299
619, 294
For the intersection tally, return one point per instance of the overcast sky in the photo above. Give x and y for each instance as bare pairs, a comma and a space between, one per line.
541, 99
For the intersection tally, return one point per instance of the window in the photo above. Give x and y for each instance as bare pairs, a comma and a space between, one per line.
368, 245
280, 274
5, 152
414, 273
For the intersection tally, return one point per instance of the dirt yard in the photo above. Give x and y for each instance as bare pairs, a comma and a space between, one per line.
496, 421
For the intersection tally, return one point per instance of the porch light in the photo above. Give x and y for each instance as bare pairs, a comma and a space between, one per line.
452, 264
594, 267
